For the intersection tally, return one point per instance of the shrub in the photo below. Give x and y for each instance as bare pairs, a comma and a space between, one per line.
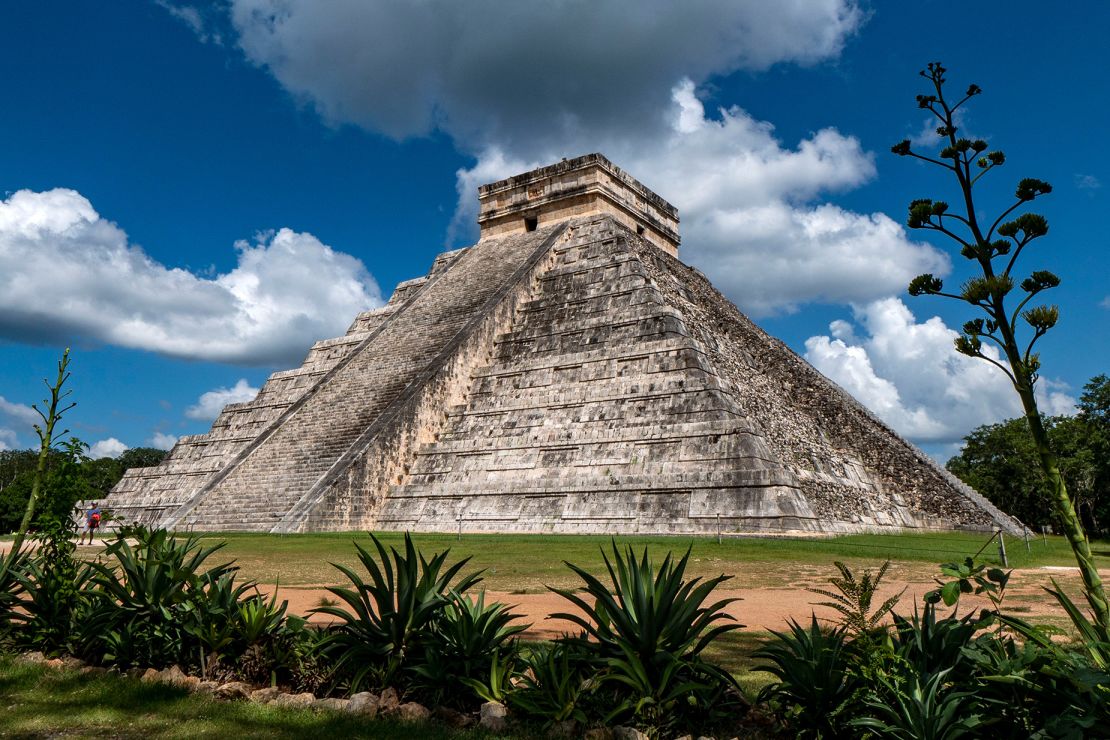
853, 597
390, 616
156, 604
555, 685
815, 678
466, 641
645, 632
53, 582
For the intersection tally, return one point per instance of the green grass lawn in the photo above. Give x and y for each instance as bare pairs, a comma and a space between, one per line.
528, 563
44, 702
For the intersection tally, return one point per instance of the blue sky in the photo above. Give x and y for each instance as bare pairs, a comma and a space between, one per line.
222, 183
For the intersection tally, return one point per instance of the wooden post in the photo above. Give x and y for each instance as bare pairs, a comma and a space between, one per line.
1025, 531
1002, 549
460, 527
718, 527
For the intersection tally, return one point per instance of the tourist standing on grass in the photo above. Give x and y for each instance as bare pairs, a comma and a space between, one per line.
92, 522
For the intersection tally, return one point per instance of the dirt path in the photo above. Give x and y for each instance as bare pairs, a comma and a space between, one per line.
759, 609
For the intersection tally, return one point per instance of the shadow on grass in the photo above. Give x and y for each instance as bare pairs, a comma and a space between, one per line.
40, 702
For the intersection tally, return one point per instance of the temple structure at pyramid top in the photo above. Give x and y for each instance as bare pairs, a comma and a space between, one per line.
567, 373
576, 188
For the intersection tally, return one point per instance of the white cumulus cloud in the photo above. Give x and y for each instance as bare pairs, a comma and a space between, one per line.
110, 447
8, 439
16, 420
527, 86
911, 376
67, 273
209, 405
162, 441
749, 219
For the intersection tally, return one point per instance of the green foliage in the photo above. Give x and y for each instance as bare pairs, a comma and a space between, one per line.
927, 711
12, 591
853, 598
815, 681
935, 676
926, 645
56, 586
1001, 461
497, 684
970, 578
468, 640
646, 630
392, 614
556, 684
157, 603
70, 477
653, 613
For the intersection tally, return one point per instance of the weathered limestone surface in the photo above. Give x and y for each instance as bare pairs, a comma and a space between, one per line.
567, 374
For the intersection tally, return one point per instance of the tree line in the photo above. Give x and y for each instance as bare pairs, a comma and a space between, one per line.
1001, 461
71, 476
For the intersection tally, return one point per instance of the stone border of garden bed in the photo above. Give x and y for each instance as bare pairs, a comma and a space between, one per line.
492, 716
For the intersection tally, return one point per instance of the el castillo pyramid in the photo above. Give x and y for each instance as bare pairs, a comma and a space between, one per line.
567, 373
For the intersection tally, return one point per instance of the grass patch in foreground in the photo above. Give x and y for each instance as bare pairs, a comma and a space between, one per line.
527, 563
44, 702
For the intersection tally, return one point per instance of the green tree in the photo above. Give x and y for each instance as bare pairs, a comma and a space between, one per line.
1001, 462
995, 245
139, 457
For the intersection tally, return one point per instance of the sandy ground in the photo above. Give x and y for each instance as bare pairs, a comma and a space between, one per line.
762, 608
759, 609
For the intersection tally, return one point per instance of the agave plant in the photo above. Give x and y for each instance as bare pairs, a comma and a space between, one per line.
930, 645
153, 593
927, 711
463, 640
498, 682
647, 630
815, 679
392, 613
12, 590
555, 684
653, 613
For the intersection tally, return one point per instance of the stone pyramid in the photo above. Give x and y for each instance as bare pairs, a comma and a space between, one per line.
567, 373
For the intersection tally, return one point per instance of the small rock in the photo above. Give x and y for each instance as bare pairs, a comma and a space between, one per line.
293, 700
265, 696
410, 711
389, 701
92, 670
150, 674
35, 656
233, 690
190, 683
73, 663
172, 675
566, 728
55, 663
599, 733
628, 733
333, 704
207, 687
492, 716
451, 718
364, 703
134, 673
